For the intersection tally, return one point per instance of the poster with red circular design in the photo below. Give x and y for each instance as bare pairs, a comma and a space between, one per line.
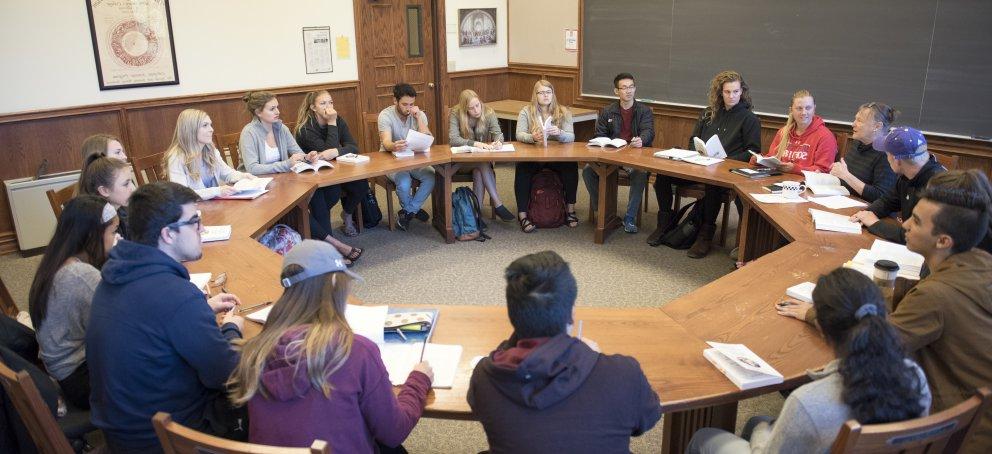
132, 43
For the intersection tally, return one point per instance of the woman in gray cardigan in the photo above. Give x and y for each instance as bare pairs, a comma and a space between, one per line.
471, 123
871, 380
268, 146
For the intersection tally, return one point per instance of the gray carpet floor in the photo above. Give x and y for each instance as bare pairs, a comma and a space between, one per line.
418, 267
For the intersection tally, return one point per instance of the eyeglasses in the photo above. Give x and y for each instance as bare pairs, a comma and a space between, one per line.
630, 88
195, 220
545, 92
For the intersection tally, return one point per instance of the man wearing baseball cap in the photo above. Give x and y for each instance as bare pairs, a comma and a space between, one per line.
906, 149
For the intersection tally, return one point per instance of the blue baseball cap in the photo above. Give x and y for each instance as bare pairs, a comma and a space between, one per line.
316, 258
902, 142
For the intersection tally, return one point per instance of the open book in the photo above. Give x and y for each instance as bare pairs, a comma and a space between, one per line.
606, 142
469, 149
910, 263
742, 366
352, 158
825, 220
249, 188
690, 156
771, 161
824, 184
304, 166
215, 233
711, 148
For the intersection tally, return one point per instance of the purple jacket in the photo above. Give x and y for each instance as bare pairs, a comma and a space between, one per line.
362, 408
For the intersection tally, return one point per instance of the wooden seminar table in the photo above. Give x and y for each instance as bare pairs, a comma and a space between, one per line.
667, 341
509, 109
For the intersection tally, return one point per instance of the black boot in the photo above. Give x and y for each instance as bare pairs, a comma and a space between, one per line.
703, 242
666, 222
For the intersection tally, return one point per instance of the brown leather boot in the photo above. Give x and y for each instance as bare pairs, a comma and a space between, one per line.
666, 222
703, 242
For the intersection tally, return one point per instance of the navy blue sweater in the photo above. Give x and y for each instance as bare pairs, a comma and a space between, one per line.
152, 345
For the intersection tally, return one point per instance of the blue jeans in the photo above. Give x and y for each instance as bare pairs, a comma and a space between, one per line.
709, 440
404, 181
638, 180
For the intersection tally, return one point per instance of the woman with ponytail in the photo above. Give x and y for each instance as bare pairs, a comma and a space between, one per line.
871, 380
804, 143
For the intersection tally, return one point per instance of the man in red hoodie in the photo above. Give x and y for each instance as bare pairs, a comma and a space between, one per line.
804, 143
545, 391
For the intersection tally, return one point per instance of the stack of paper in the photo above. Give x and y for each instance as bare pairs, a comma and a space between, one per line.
468, 149
777, 198
824, 184
837, 202
400, 359
825, 220
215, 233
910, 263
802, 292
746, 369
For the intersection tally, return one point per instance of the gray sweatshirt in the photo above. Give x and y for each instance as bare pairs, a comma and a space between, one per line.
814, 413
524, 128
62, 335
486, 131
252, 146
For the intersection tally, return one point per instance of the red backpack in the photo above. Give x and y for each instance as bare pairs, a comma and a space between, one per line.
547, 200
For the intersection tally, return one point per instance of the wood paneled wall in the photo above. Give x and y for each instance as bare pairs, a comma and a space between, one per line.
145, 128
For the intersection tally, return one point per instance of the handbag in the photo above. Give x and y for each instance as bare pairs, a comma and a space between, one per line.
371, 214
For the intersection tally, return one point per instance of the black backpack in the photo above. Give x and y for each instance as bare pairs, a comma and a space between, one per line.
684, 234
371, 214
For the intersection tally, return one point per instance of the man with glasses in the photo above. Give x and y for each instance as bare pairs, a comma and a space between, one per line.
153, 343
633, 122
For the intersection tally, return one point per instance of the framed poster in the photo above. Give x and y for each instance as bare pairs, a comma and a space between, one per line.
477, 27
132, 43
317, 49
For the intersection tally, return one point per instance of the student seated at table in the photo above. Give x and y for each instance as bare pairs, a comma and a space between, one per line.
543, 390
193, 160
804, 143
153, 343
63, 286
103, 145
474, 124
946, 319
872, 380
633, 122
395, 122
530, 129
906, 151
322, 134
731, 118
267, 146
864, 170
110, 179
307, 377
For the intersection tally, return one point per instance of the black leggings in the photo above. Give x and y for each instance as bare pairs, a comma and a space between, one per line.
76, 387
711, 201
567, 171
325, 198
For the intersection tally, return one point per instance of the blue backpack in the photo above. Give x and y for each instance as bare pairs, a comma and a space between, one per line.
466, 219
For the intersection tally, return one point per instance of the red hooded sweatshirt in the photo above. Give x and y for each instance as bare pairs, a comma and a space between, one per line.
814, 150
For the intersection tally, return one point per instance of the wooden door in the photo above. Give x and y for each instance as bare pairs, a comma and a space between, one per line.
396, 44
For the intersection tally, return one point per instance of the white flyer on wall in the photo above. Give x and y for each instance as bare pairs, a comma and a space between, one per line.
571, 39
317, 49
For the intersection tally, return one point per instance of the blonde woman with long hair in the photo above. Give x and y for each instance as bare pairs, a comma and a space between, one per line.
307, 376
474, 124
530, 129
193, 160
804, 143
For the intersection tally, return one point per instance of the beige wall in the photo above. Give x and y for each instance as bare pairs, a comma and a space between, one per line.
537, 31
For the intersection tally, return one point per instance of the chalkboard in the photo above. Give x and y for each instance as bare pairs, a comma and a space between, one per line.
928, 58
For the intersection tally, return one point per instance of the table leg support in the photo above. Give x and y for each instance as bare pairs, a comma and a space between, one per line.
758, 236
606, 217
681, 425
441, 200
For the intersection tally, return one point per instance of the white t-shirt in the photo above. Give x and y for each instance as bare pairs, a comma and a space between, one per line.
271, 154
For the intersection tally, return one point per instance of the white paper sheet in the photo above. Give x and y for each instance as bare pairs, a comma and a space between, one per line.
201, 281
777, 198
400, 358
837, 202
367, 321
418, 142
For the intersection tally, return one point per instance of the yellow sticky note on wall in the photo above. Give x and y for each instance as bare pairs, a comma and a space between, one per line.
343, 47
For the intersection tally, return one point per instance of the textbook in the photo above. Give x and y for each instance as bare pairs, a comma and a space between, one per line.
770, 162
692, 157
712, 147
215, 233
352, 158
802, 292
825, 220
755, 172
742, 366
304, 166
910, 263
467, 149
824, 184
249, 189
605, 142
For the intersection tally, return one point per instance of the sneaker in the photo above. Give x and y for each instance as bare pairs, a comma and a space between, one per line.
422, 215
504, 214
403, 220
629, 226
734, 253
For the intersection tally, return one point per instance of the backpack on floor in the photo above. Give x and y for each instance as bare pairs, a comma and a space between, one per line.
684, 234
281, 238
547, 200
371, 214
466, 217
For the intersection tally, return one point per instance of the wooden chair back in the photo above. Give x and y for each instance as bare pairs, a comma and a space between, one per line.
178, 439
943, 432
372, 139
59, 198
149, 169
949, 162
229, 144
7, 305
44, 430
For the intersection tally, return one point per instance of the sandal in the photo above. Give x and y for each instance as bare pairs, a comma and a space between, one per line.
525, 225
572, 220
354, 254
347, 229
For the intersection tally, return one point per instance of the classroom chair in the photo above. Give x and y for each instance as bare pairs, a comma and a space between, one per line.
228, 145
7, 305
950, 162
59, 198
698, 191
372, 142
178, 439
623, 179
943, 432
149, 169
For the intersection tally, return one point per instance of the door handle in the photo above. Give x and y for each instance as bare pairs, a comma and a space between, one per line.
430, 84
